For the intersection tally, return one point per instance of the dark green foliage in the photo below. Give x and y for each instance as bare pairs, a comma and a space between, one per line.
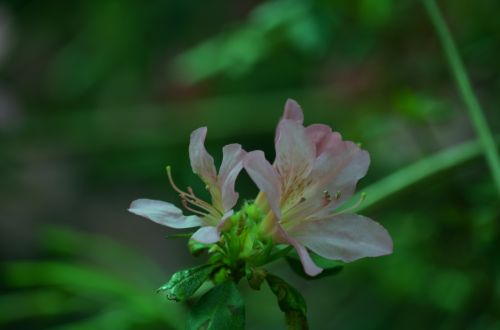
98, 115
290, 301
221, 308
184, 283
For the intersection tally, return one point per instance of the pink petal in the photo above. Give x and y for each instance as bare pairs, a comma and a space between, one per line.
207, 235
310, 267
201, 161
344, 237
224, 219
323, 137
232, 163
265, 177
295, 152
338, 170
163, 213
293, 111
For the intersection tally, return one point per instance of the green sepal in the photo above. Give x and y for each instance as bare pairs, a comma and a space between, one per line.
184, 283
221, 308
220, 276
330, 267
290, 302
196, 248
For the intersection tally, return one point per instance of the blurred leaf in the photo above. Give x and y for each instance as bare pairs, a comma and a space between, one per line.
83, 295
221, 308
421, 106
103, 251
237, 51
185, 283
290, 301
375, 13
39, 303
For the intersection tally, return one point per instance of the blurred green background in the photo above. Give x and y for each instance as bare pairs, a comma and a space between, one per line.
98, 96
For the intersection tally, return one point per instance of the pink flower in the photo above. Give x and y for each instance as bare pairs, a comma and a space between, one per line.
209, 216
315, 171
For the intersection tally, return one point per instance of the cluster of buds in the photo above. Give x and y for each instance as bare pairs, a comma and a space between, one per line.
299, 204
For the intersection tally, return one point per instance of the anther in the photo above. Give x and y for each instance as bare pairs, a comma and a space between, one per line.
338, 193
327, 196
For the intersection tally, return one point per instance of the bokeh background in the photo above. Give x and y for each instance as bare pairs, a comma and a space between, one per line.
98, 96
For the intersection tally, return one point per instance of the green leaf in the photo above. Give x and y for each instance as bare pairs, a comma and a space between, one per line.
221, 308
330, 267
290, 301
184, 284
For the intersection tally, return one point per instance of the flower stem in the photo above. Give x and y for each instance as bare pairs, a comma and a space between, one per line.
462, 80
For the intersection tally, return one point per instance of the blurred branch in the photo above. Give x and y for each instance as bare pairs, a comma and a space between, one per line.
462, 80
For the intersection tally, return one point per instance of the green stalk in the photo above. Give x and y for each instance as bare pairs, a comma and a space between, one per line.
418, 171
462, 80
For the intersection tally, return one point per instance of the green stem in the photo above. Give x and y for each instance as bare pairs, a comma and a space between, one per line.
462, 80
418, 171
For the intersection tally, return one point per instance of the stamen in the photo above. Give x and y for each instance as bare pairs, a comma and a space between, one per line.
338, 193
327, 196
311, 213
192, 199
352, 208
172, 183
187, 207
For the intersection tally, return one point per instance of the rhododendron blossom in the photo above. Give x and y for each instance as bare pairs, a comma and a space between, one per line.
300, 205
314, 173
211, 217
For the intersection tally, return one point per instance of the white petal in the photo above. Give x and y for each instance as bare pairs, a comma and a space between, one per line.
207, 235
163, 213
344, 237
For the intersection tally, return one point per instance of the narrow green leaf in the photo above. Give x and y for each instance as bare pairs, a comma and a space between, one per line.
290, 301
182, 235
330, 267
476, 113
221, 308
184, 284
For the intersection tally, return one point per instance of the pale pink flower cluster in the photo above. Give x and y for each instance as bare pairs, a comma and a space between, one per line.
314, 173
